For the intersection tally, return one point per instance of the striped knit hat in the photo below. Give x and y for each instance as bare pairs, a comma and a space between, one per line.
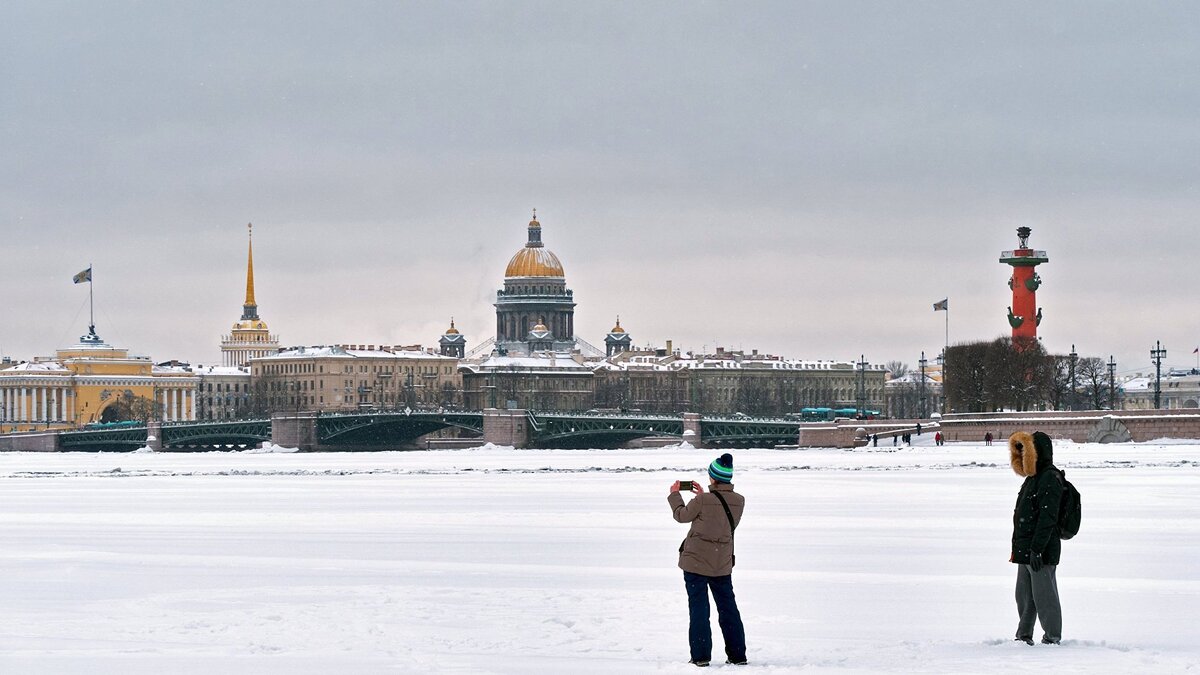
721, 469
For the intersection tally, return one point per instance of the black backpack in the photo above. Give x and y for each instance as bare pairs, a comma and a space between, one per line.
1070, 511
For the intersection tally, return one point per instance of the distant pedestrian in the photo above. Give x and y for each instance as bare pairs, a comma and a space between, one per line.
937, 438
875, 440
1035, 540
987, 438
918, 428
706, 557
894, 440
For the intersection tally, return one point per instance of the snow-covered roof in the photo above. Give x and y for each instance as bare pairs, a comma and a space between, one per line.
1137, 384
639, 363
338, 352
227, 371
541, 362
37, 367
913, 377
675, 362
766, 364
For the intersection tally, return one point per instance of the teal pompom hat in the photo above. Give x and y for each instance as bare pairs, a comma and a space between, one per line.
721, 469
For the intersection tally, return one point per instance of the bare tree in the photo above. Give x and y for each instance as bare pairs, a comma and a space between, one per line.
966, 377
1092, 376
897, 369
129, 407
1058, 381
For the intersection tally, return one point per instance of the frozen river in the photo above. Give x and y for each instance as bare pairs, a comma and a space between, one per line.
518, 561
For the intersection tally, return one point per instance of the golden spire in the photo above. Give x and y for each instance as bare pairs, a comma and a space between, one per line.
250, 268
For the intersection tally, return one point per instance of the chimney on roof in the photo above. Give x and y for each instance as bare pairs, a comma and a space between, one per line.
669, 346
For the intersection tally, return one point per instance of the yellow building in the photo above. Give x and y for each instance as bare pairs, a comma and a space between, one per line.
250, 337
93, 382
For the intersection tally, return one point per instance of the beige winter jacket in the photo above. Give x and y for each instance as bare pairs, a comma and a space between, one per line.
708, 549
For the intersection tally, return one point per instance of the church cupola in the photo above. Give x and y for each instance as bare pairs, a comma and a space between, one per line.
617, 340
452, 342
540, 338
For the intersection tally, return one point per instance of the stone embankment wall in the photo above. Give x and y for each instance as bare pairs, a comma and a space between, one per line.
1084, 426
1094, 426
44, 441
845, 433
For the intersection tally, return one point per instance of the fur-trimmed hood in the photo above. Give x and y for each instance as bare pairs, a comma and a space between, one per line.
1029, 453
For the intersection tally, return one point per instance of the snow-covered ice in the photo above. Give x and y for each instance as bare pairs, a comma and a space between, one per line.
556, 561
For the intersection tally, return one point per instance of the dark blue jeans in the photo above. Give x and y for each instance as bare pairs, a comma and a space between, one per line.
699, 631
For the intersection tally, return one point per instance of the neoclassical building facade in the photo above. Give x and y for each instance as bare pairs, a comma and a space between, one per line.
347, 378
93, 382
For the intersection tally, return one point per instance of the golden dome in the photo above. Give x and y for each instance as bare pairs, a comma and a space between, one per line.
617, 328
534, 262
539, 328
451, 330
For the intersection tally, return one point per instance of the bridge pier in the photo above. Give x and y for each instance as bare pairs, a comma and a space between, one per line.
295, 430
506, 427
154, 436
691, 429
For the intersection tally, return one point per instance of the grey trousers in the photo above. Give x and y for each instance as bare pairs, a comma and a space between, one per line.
1037, 599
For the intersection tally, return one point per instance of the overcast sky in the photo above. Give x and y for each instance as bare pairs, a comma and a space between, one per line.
805, 179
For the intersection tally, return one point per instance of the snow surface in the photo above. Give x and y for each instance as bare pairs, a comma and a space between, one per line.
496, 560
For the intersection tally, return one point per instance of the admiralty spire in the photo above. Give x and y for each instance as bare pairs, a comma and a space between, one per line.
250, 337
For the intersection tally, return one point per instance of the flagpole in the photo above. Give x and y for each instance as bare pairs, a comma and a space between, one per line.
91, 303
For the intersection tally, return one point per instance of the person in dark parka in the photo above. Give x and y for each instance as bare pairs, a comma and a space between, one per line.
1036, 545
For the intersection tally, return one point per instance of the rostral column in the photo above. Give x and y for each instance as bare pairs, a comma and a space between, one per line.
1024, 315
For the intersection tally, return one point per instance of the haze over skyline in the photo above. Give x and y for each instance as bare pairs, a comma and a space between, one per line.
802, 179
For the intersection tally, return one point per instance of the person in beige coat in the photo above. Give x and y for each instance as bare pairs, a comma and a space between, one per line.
706, 557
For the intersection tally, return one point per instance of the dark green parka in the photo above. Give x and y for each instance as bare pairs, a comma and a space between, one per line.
1035, 517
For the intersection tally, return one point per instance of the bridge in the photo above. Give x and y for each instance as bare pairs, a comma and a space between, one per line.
520, 428
381, 430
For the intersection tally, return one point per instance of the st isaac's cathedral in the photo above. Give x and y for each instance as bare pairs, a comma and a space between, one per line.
536, 360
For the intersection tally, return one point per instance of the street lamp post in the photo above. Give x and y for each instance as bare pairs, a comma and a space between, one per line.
861, 399
1157, 355
1112, 383
941, 361
1071, 396
923, 362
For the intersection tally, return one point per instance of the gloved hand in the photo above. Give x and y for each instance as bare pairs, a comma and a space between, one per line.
1035, 561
